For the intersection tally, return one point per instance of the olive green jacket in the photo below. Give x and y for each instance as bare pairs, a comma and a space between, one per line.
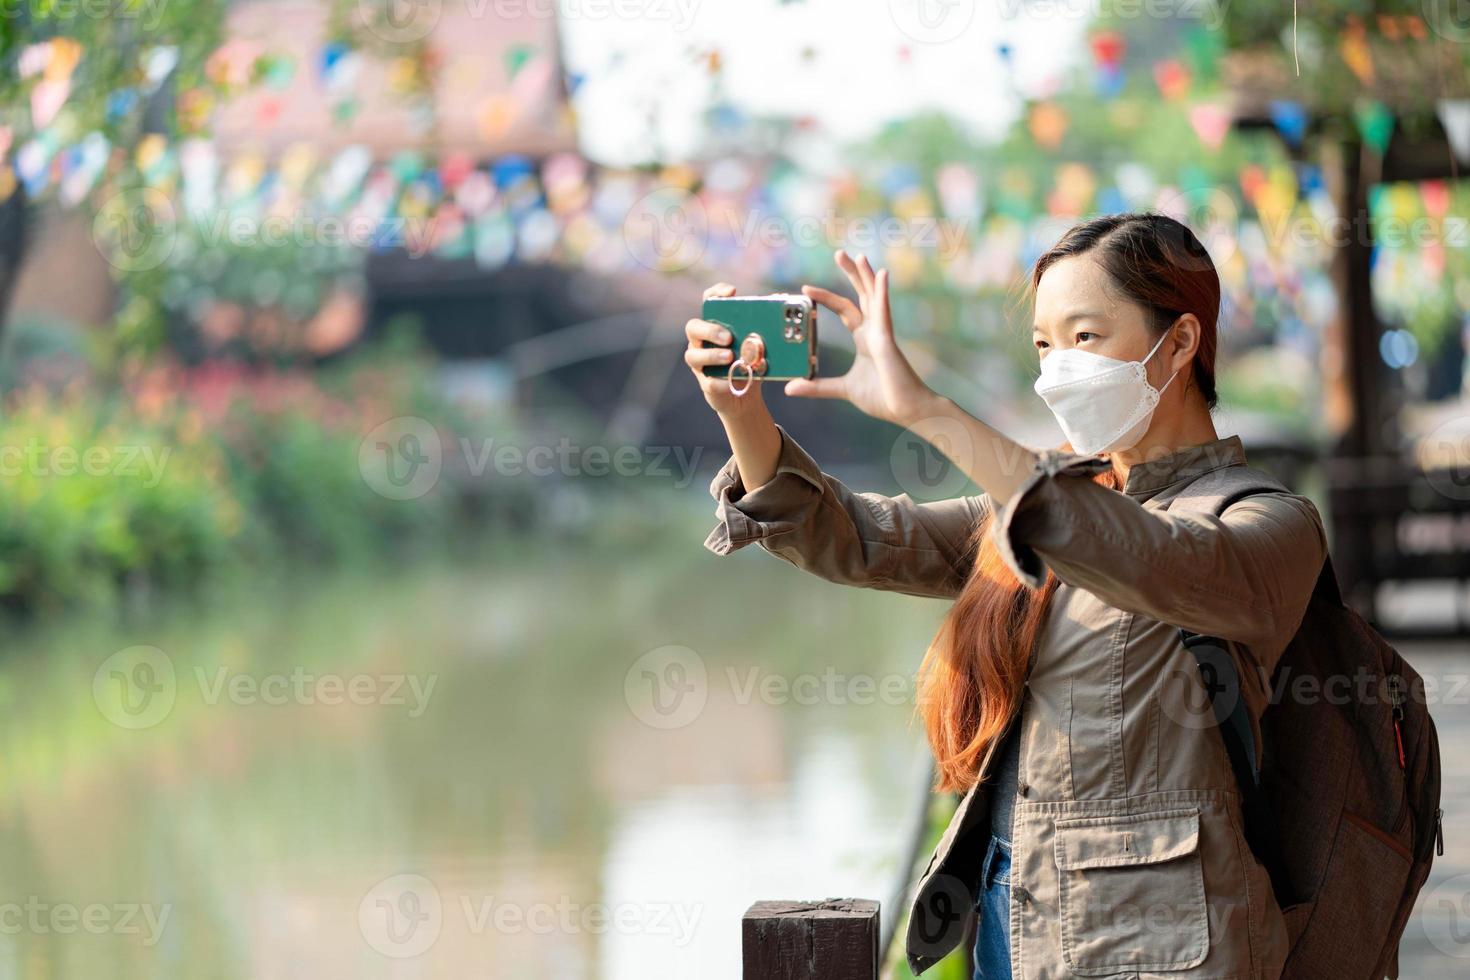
1128, 856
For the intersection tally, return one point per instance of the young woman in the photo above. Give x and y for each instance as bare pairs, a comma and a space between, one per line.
1100, 830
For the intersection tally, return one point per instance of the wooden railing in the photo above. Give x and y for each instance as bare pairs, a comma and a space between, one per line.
832, 940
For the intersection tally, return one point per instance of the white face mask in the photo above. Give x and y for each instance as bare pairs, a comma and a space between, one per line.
1102, 404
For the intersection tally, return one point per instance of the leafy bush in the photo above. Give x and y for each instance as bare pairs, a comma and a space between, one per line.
183, 471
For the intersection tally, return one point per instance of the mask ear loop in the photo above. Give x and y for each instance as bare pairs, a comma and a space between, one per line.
1157, 344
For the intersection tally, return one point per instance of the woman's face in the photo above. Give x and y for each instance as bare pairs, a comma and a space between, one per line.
1079, 305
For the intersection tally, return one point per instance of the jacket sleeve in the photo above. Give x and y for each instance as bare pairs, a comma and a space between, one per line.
1245, 575
865, 539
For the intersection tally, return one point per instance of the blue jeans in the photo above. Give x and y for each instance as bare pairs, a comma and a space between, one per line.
993, 903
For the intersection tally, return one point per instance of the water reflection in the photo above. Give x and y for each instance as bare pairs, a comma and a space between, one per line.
519, 815
435, 771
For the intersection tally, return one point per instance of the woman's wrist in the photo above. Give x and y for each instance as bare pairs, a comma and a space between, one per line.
755, 443
930, 405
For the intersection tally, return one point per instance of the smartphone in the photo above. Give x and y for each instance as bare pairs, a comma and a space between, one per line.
777, 334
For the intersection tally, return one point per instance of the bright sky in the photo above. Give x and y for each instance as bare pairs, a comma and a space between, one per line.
639, 57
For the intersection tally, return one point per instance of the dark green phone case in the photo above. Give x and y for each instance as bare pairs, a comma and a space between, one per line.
787, 323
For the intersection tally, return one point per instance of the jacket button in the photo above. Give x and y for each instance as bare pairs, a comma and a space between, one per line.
1022, 896
1023, 787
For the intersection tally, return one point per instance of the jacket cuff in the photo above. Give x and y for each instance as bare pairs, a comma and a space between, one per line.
1027, 509
775, 508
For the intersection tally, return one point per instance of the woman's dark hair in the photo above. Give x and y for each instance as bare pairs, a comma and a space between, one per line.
1160, 265
971, 679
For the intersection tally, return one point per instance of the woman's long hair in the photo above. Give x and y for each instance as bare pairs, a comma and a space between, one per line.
971, 679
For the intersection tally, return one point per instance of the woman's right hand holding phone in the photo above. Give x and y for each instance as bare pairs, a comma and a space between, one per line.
753, 436
717, 389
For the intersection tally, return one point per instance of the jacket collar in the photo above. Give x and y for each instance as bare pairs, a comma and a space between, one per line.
1185, 464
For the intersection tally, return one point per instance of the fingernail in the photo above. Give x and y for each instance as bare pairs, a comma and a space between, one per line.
725, 336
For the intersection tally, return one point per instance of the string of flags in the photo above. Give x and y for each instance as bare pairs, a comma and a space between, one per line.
565, 209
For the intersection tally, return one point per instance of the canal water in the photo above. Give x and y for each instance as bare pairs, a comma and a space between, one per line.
564, 761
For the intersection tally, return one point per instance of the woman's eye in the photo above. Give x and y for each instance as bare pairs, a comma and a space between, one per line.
1084, 335
1041, 345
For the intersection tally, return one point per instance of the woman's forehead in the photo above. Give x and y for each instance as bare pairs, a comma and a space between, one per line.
1078, 286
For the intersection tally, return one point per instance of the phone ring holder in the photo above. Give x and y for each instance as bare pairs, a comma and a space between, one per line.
753, 359
749, 378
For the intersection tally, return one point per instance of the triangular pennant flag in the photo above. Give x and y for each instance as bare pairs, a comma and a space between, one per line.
1375, 124
517, 57
1211, 122
1290, 119
1454, 116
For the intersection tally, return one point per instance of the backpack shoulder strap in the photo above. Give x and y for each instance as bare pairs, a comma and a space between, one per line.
1215, 491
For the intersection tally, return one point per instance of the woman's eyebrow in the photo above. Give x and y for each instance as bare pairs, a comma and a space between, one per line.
1069, 318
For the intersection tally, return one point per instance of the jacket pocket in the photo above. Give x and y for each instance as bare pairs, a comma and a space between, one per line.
1132, 892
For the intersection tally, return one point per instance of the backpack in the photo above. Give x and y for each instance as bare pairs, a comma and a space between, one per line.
1344, 811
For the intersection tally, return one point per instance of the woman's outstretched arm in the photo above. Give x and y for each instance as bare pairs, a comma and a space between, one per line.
772, 492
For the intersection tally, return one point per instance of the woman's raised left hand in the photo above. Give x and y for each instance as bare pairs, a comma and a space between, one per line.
881, 382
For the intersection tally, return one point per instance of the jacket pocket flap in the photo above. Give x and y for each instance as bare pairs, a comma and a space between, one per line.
1116, 841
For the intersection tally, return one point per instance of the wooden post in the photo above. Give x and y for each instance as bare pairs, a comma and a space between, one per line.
832, 940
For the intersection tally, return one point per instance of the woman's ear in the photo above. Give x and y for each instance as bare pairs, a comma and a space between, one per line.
1187, 332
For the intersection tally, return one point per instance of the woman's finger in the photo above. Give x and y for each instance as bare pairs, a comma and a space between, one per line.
698, 357
849, 268
719, 290
817, 388
880, 304
846, 309
697, 330
870, 281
